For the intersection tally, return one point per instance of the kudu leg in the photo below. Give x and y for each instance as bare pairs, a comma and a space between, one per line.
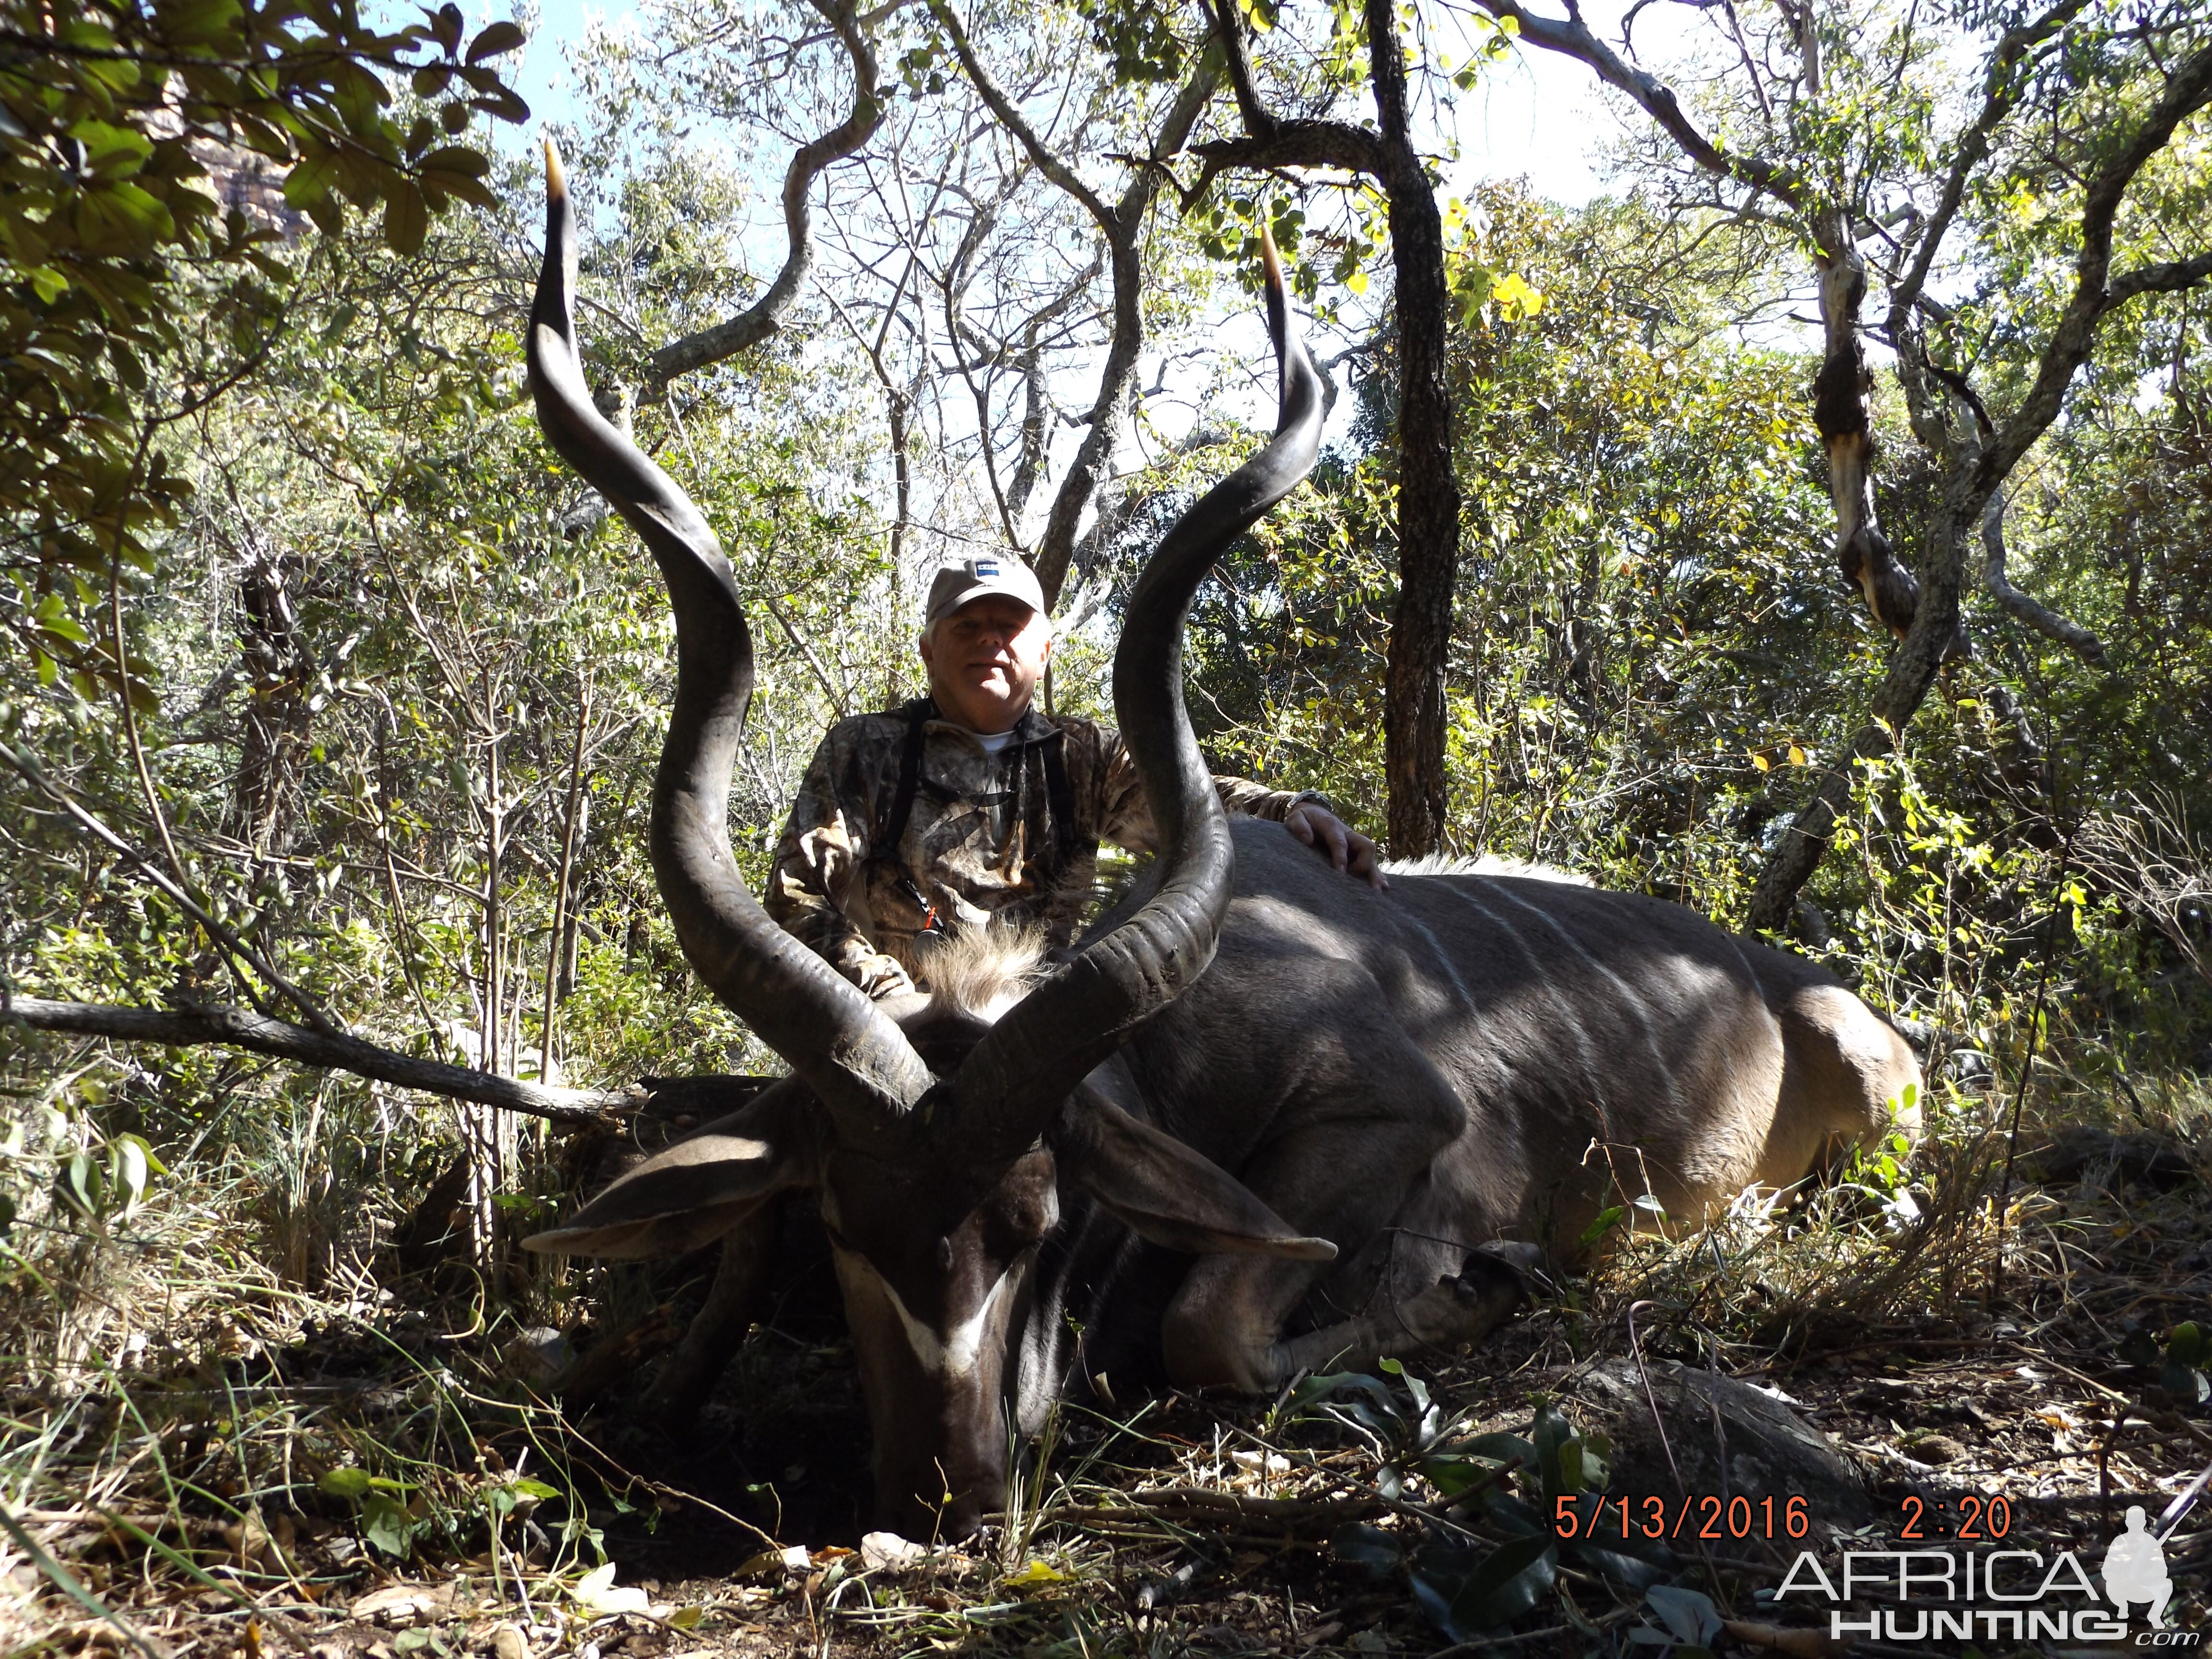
718, 1330
1350, 1148
1447, 1316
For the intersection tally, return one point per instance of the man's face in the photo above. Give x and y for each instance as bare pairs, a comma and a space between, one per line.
985, 661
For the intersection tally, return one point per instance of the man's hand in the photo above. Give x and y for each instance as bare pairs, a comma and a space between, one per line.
1347, 849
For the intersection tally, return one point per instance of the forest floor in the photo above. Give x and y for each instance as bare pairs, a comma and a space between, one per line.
320, 1476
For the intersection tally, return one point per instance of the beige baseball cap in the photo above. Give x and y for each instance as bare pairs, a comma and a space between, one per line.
971, 578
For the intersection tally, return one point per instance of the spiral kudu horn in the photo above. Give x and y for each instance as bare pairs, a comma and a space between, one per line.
1027, 1063
847, 1051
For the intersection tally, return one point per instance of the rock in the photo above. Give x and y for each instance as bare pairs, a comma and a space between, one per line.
1937, 1448
2085, 1153
537, 1354
1771, 1451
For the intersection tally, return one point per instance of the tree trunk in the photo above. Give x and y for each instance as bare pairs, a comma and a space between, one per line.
273, 746
1841, 395
1921, 654
1413, 715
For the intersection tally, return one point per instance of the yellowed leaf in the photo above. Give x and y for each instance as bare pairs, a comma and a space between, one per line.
1515, 297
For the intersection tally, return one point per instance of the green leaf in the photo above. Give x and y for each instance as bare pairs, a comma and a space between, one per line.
351, 1484
385, 1524
1636, 1561
310, 181
1607, 1220
78, 1185
458, 158
406, 218
1690, 1615
495, 38
1559, 1453
127, 1169
1376, 1552
1469, 1598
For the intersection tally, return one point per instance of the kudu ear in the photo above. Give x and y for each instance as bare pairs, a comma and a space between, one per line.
692, 1193
1168, 1194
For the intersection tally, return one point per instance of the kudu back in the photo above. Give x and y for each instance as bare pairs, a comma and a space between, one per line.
1395, 1079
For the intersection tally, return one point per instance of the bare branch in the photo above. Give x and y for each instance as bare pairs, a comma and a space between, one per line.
2037, 615
1259, 119
2187, 91
1014, 122
758, 320
1029, 463
241, 1028
2002, 94
1119, 375
1572, 36
2167, 276
225, 940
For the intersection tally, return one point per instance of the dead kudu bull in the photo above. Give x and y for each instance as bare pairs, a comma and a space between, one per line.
1392, 1078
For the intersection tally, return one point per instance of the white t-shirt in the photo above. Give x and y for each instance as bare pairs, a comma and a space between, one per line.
992, 742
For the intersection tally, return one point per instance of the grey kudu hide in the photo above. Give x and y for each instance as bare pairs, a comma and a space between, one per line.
1258, 1121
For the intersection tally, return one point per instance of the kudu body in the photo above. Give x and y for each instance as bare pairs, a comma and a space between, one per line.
1395, 1079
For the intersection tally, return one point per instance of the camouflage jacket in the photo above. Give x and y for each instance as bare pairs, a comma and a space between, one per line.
980, 845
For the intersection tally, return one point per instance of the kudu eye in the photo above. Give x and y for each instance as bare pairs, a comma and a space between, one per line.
945, 1254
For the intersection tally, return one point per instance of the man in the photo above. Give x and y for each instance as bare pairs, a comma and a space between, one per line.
969, 807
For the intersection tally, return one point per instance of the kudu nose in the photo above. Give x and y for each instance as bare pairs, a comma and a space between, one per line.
926, 1515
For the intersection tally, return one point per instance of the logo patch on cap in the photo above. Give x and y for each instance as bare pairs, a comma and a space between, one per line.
986, 567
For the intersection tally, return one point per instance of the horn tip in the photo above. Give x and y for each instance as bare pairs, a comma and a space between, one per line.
1271, 261
557, 181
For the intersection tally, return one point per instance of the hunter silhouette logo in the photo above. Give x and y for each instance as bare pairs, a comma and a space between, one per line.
2134, 1570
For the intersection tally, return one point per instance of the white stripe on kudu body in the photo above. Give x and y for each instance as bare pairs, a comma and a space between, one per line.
1630, 998
1569, 1016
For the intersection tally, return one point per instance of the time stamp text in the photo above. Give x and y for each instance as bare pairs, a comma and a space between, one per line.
1968, 1519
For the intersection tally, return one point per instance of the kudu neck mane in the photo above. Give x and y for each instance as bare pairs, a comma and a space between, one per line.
1485, 864
981, 972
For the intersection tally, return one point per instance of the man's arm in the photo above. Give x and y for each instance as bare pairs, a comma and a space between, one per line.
817, 872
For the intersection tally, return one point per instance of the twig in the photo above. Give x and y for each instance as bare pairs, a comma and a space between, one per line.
2027, 1061
31, 771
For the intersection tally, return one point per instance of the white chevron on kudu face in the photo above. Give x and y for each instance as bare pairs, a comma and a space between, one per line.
950, 1355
